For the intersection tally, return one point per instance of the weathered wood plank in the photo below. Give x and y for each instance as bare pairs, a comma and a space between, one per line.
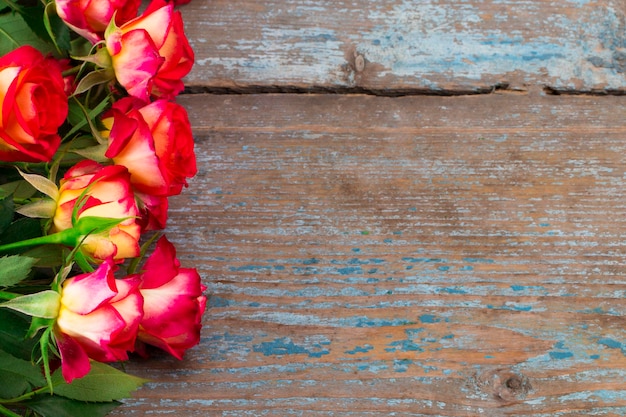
424, 256
408, 46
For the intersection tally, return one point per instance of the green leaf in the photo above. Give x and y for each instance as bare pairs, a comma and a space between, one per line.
44, 304
19, 189
95, 153
94, 78
42, 184
87, 225
102, 383
56, 29
33, 16
48, 256
8, 173
40, 209
79, 117
17, 376
37, 324
13, 329
21, 229
7, 211
15, 32
13, 385
56, 406
15, 269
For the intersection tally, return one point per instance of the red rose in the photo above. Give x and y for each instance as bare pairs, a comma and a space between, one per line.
33, 105
173, 302
151, 54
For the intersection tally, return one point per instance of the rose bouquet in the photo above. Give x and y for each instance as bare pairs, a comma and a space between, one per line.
92, 145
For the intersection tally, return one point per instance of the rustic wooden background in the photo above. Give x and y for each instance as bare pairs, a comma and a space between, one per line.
403, 207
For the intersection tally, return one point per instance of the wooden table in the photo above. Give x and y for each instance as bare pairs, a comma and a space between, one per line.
403, 208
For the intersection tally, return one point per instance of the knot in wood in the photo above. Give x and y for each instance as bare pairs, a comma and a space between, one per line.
359, 63
513, 383
503, 385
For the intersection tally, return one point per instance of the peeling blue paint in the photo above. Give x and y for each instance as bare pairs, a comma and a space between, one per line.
603, 395
530, 288
479, 260
310, 261
250, 268
370, 322
429, 318
610, 343
453, 290
285, 346
427, 260
350, 270
404, 346
374, 367
561, 355
360, 349
221, 346
510, 306
401, 365
215, 302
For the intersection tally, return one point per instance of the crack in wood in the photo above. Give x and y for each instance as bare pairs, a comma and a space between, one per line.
387, 92
394, 92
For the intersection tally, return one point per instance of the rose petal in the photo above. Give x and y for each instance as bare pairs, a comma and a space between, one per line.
100, 285
74, 360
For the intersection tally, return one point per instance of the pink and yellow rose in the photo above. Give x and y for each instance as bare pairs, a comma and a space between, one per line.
154, 142
99, 318
90, 18
33, 105
151, 54
173, 302
91, 190
103, 318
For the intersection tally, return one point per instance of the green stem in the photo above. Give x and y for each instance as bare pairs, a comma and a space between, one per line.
55, 238
5, 411
26, 396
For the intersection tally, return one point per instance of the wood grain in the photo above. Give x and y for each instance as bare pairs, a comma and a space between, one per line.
412, 256
398, 47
